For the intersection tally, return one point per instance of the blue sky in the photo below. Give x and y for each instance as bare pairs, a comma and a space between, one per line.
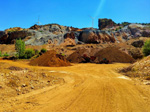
24, 13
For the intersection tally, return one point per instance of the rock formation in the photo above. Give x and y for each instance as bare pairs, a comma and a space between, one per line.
109, 32
10, 37
91, 36
105, 23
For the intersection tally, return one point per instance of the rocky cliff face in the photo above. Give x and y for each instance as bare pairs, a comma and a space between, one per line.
89, 36
105, 23
9, 38
1, 33
62, 35
138, 30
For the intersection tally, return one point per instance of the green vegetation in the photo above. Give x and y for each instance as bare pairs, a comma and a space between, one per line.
23, 53
41, 31
63, 54
120, 27
125, 23
0, 54
116, 29
36, 52
146, 48
29, 53
20, 48
43, 50
6, 54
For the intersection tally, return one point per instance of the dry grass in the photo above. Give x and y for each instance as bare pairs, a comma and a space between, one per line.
139, 69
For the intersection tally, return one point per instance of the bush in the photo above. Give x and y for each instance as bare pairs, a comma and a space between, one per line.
63, 54
125, 23
29, 53
146, 48
20, 48
0, 54
43, 50
116, 29
6, 55
36, 52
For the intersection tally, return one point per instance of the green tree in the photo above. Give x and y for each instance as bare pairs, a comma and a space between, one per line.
146, 48
29, 53
20, 48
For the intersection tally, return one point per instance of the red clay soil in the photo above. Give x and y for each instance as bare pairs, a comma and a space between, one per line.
113, 54
50, 59
77, 56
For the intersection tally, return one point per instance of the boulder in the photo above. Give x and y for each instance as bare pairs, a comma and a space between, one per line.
146, 33
69, 35
91, 36
88, 36
10, 38
105, 23
138, 43
35, 27
1, 33
136, 29
135, 53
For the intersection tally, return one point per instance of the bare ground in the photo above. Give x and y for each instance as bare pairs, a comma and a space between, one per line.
87, 88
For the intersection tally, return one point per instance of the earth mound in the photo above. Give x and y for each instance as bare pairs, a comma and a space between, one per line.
113, 54
82, 56
76, 57
50, 59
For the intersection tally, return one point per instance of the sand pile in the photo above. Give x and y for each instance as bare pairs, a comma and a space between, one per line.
113, 54
51, 59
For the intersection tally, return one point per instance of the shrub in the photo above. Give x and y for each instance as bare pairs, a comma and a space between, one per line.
125, 23
6, 55
146, 48
29, 53
36, 52
63, 54
20, 48
116, 29
0, 54
43, 50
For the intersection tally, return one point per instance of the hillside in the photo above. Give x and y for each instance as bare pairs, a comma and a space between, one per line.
109, 32
140, 69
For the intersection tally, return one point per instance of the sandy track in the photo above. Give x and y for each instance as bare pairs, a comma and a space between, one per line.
88, 88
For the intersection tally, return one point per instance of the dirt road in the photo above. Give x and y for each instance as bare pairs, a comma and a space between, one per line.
88, 88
